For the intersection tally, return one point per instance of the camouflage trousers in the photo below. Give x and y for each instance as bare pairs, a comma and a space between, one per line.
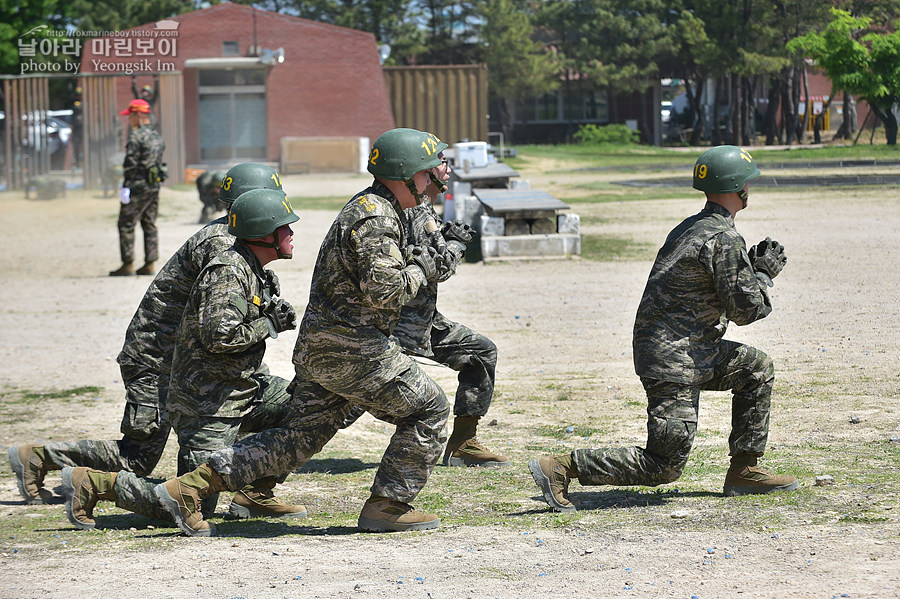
142, 207
199, 438
672, 410
144, 431
473, 356
399, 393
135, 494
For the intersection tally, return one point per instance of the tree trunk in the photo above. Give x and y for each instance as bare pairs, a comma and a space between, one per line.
716, 133
887, 117
696, 108
788, 105
770, 123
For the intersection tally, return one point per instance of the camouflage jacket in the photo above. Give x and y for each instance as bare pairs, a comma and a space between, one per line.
150, 338
221, 340
360, 281
413, 331
701, 279
144, 149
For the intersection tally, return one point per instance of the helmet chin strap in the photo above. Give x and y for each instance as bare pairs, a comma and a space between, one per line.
744, 195
269, 244
411, 186
441, 185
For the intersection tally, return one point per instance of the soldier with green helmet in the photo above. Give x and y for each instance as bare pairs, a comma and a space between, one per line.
345, 360
424, 331
216, 390
703, 277
209, 184
146, 357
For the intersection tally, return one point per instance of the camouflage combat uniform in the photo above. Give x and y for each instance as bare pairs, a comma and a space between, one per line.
145, 363
345, 359
208, 191
144, 150
216, 391
423, 331
701, 280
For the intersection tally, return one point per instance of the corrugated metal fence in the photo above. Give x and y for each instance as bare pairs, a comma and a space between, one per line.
449, 101
26, 155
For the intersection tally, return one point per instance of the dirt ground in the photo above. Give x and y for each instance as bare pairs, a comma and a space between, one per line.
563, 329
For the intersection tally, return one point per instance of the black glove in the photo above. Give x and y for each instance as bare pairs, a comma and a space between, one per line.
423, 257
281, 317
767, 258
272, 284
456, 230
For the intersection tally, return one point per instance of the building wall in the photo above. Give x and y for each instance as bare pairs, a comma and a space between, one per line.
330, 83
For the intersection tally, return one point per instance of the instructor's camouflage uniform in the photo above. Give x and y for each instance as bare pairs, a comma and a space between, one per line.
345, 359
145, 362
701, 280
143, 151
423, 331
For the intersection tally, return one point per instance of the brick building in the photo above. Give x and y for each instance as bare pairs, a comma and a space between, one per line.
237, 99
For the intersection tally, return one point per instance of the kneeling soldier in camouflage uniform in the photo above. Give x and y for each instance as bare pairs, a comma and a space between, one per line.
209, 185
703, 277
423, 331
146, 357
345, 360
216, 390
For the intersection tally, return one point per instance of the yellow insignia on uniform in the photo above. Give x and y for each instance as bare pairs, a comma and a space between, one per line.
257, 301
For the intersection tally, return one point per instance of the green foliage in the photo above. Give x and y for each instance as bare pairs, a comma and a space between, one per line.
859, 59
598, 135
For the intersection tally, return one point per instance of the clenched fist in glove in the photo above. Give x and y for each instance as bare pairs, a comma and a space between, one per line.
423, 257
456, 230
281, 317
767, 258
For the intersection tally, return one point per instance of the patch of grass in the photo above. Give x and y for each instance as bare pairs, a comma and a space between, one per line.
61, 393
331, 203
607, 248
563, 432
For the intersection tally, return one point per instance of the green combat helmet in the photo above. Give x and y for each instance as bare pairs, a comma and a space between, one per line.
246, 176
724, 169
259, 212
399, 154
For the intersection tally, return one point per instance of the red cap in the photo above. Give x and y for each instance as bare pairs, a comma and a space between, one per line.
137, 106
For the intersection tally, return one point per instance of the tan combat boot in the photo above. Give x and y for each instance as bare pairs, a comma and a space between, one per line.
745, 478
126, 270
380, 514
552, 474
183, 497
147, 269
30, 465
258, 502
464, 449
83, 488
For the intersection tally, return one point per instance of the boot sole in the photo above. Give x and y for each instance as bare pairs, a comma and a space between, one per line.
473, 463
69, 492
171, 505
240, 512
18, 469
370, 525
542, 481
736, 491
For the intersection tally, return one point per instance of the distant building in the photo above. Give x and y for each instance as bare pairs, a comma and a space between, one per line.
249, 78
